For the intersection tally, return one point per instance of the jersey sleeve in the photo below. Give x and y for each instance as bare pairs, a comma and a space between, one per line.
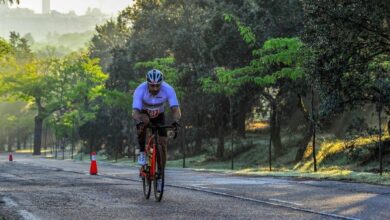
172, 99
137, 99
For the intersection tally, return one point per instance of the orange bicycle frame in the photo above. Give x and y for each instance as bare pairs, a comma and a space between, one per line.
151, 146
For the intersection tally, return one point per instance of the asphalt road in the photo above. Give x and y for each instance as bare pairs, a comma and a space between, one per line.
39, 188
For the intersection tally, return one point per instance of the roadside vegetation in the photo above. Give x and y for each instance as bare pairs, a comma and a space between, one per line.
292, 76
347, 160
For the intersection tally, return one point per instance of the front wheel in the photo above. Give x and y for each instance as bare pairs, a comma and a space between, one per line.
147, 186
158, 182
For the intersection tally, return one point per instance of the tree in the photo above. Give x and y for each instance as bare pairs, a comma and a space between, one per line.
351, 51
199, 39
25, 83
49, 85
16, 123
272, 72
5, 48
21, 48
109, 36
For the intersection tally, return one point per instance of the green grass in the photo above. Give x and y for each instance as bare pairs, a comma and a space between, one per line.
333, 161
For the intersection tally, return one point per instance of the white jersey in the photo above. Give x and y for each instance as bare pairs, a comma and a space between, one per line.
154, 105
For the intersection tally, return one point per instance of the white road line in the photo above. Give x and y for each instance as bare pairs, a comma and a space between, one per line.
264, 202
26, 215
205, 187
287, 202
9, 202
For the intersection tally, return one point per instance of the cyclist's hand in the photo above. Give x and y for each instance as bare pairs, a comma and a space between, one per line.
175, 125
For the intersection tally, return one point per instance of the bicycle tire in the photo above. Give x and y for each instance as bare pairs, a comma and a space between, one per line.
159, 174
147, 187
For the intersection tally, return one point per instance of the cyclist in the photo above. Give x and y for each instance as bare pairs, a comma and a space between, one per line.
149, 99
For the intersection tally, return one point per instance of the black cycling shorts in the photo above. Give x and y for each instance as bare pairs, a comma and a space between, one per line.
159, 120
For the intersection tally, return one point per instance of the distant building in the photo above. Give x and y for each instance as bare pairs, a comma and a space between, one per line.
45, 6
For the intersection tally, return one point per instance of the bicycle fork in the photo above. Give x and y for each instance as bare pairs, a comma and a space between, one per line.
149, 170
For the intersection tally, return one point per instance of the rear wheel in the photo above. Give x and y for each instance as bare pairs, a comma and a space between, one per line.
158, 183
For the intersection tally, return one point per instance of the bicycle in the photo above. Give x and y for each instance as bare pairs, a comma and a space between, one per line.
153, 170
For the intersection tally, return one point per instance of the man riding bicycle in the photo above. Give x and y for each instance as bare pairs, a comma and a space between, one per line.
148, 107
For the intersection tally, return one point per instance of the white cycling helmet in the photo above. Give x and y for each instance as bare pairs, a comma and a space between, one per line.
154, 77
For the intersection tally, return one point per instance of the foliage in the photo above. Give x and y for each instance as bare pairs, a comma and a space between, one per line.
15, 122
59, 88
246, 33
350, 45
108, 36
278, 59
166, 65
80, 81
196, 36
5, 48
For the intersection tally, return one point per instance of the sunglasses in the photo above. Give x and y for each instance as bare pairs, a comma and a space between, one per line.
155, 85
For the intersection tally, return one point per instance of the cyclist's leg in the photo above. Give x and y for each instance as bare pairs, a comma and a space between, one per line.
142, 134
162, 133
163, 143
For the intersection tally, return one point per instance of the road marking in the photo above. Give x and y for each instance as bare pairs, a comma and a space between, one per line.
287, 202
23, 213
206, 187
274, 203
27, 215
9, 202
269, 202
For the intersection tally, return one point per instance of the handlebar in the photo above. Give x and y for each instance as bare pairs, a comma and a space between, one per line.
156, 127
160, 126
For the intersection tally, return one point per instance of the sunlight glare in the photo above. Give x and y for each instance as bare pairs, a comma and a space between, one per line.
79, 7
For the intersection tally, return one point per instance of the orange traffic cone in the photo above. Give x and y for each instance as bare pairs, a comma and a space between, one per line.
10, 158
93, 170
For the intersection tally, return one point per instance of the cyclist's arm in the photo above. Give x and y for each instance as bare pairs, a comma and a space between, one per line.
137, 105
176, 113
137, 115
174, 104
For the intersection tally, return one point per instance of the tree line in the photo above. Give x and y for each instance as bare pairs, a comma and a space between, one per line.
228, 60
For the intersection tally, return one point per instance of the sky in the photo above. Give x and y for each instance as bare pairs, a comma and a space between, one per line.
110, 7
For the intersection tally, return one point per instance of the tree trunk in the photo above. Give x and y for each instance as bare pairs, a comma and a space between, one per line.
198, 133
388, 127
10, 143
221, 142
241, 121
198, 140
302, 145
25, 142
275, 130
38, 135
2, 142
18, 143
276, 115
